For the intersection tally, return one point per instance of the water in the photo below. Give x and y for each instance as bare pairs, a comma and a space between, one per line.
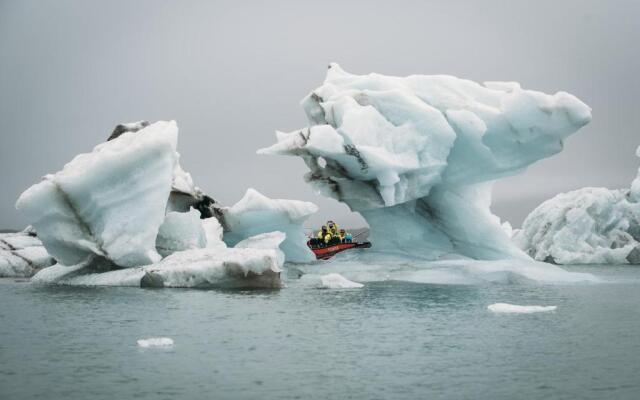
388, 340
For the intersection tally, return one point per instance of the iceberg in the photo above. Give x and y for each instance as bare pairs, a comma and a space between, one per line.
127, 214
22, 254
109, 203
585, 226
255, 214
416, 156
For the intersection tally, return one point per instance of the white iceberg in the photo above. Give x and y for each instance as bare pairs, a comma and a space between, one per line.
255, 214
108, 203
585, 226
416, 156
516, 309
155, 342
22, 254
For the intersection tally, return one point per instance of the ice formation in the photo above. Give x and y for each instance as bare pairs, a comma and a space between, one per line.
267, 241
127, 214
585, 226
256, 213
516, 309
22, 254
109, 203
155, 342
416, 156
197, 268
181, 231
337, 281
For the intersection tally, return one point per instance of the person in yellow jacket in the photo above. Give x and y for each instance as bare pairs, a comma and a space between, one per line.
322, 232
333, 228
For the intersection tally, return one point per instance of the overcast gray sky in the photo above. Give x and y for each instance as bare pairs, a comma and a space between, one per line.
232, 72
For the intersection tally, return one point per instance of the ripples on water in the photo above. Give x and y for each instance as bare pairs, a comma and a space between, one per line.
388, 340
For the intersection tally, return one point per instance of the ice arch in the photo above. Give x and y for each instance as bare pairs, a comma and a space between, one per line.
416, 156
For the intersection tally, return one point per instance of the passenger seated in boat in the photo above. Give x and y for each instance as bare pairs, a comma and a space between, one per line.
342, 235
348, 238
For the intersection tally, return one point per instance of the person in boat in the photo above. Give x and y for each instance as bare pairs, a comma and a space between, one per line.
333, 228
342, 235
348, 238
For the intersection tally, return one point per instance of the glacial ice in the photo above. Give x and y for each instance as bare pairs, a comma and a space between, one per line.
196, 268
337, 281
416, 156
127, 214
516, 309
255, 214
585, 226
22, 254
180, 231
108, 203
155, 342
268, 241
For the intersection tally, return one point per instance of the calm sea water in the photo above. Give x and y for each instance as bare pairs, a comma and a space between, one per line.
389, 340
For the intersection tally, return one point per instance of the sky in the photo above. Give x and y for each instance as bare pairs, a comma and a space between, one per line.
232, 72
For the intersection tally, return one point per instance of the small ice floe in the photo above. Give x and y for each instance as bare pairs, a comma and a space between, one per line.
337, 281
155, 342
516, 309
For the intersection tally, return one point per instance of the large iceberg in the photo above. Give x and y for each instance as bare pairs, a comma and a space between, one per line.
22, 254
416, 156
109, 203
585, 226
128, 214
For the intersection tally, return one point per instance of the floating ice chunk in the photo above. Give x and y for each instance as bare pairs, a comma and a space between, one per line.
337, 281
585, 226
516, 309
416, 155
22, 254
155, 342
110, 202
255, 214
181, 231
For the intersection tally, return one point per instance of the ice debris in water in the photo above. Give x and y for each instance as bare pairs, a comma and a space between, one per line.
585, 226
22, 254
156, 342
516, 309
337, 281
416, 155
